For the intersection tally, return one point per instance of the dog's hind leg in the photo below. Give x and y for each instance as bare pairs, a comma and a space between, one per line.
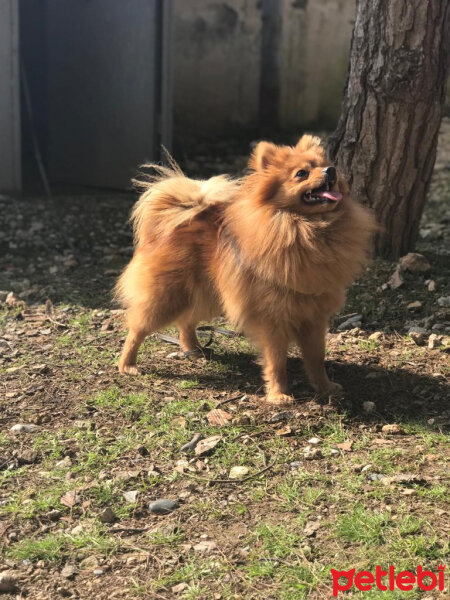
140, 325
127, 362
143, 320
188, 337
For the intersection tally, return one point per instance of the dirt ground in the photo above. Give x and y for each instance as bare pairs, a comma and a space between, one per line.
84, 452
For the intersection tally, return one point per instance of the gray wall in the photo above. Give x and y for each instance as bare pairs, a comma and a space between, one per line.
216, 60
219, 56
314, 60
9, 97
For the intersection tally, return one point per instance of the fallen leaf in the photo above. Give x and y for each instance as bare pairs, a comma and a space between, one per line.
432, 457
205, 547
130, 496
179, 422
345, 446
286, 430
70, 498
311, 527
414, 262
127, 475
396, 279
177, 589
208, 444
219, 417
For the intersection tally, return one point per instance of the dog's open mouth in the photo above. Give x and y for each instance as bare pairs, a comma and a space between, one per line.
321, 195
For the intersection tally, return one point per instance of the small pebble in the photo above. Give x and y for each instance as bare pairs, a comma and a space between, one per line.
64, 463
314, 441
366, 468
69, 571
90, 562
312, 454
163, 506
414, 305
54, 515
444, 301
434, 341
181, 587
417, 334
375, 336
238, 472
350, 323
25, 428
108, 516
284, 415
392, 428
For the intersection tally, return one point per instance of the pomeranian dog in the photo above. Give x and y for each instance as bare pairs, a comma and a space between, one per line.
273, 251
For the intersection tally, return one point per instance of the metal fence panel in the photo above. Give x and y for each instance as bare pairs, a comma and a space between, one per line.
10, 153
103, 84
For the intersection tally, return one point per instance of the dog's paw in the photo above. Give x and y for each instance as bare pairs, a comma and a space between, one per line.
128, 370
279, 399
196, 354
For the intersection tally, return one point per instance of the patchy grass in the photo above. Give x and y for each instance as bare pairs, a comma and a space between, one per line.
56, 547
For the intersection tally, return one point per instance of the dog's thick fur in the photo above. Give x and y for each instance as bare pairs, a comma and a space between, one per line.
276, 265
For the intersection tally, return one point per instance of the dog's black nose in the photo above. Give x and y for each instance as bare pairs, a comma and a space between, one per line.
330, 173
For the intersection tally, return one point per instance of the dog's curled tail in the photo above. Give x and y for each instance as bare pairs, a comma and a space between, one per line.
170, 200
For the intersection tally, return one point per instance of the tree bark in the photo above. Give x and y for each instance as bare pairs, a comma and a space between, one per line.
385, 141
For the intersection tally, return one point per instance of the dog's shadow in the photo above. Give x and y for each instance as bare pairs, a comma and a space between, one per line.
397, 392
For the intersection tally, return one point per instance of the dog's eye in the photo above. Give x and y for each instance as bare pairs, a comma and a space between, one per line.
302, 174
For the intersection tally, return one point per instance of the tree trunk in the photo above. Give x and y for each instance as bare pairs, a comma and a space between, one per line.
385, 142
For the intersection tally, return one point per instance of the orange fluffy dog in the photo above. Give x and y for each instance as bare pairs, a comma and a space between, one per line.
274, 252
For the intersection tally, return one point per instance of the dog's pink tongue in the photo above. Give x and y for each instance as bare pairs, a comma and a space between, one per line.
335, 196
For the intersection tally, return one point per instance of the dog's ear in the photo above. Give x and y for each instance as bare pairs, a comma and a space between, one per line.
307, 142
263, 156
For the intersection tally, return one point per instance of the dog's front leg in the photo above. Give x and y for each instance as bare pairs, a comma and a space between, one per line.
311, 339
274, 359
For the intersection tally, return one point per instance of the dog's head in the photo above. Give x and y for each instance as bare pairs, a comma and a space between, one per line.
299, 178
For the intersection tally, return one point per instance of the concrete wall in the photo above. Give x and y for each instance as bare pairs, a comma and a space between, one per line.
219, 58
316, 38
216, 59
